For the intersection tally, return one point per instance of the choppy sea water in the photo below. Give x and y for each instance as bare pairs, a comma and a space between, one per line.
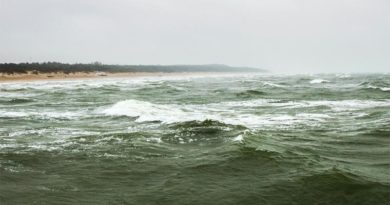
243, 139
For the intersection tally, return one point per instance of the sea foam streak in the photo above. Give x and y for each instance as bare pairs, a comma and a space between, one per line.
41, 115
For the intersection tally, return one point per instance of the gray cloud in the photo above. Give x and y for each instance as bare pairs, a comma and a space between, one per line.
279, 35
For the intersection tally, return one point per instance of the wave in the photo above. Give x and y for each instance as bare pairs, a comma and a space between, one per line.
273, 85
12, 114
40, 115
376, 85
223, 112
229, 112
110, 83
337, 186
146, 111
105, 84
341, 105
336, 176
249, 93
319, 81
384, 89
203, 132
17, 94
239, 138
343, 76
205, 124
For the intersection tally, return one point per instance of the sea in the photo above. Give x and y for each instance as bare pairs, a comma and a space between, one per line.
197, 139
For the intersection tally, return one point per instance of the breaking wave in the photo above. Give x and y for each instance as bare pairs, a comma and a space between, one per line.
319, 81
174, 113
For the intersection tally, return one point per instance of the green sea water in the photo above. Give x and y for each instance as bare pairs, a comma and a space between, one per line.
232, 139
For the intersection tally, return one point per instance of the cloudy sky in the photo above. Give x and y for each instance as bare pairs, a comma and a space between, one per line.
279, 35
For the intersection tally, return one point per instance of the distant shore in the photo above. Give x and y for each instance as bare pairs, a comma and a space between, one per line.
64, 71
30, 76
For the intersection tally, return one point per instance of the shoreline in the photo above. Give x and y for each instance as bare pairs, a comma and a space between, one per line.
27, 77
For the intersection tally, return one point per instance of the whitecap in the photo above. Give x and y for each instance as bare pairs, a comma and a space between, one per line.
223, 112
318, 81
343, 76
239, 138
385, 89
154, 139
12, 114
273, 85
350, 105
341, 105
236, 112
146, 111
16, 95
45, 147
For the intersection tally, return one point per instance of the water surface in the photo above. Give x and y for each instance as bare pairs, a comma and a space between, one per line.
245, 139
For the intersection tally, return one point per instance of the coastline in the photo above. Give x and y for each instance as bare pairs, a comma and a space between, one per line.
26, 77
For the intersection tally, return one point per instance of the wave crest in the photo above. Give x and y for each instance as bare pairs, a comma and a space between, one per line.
319, 81
146, 111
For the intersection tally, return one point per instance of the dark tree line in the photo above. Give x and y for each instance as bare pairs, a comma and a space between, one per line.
53, 67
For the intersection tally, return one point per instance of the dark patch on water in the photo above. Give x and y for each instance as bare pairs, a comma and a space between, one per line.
207, 132
336, 187
16, 101
251, 93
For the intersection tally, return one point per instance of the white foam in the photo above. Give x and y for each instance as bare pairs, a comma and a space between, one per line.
385, 89
341, 105
318, 81
12, 114
239, 138
46, 147
247, 103
273, 84
26, 132
350, 105
343, 76
42, 115
146, 111
16, 95
123, 82
223, 112
154, 139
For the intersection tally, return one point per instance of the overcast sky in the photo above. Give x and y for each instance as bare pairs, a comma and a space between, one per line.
279, 35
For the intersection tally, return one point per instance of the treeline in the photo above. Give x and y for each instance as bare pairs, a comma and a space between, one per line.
54, 67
